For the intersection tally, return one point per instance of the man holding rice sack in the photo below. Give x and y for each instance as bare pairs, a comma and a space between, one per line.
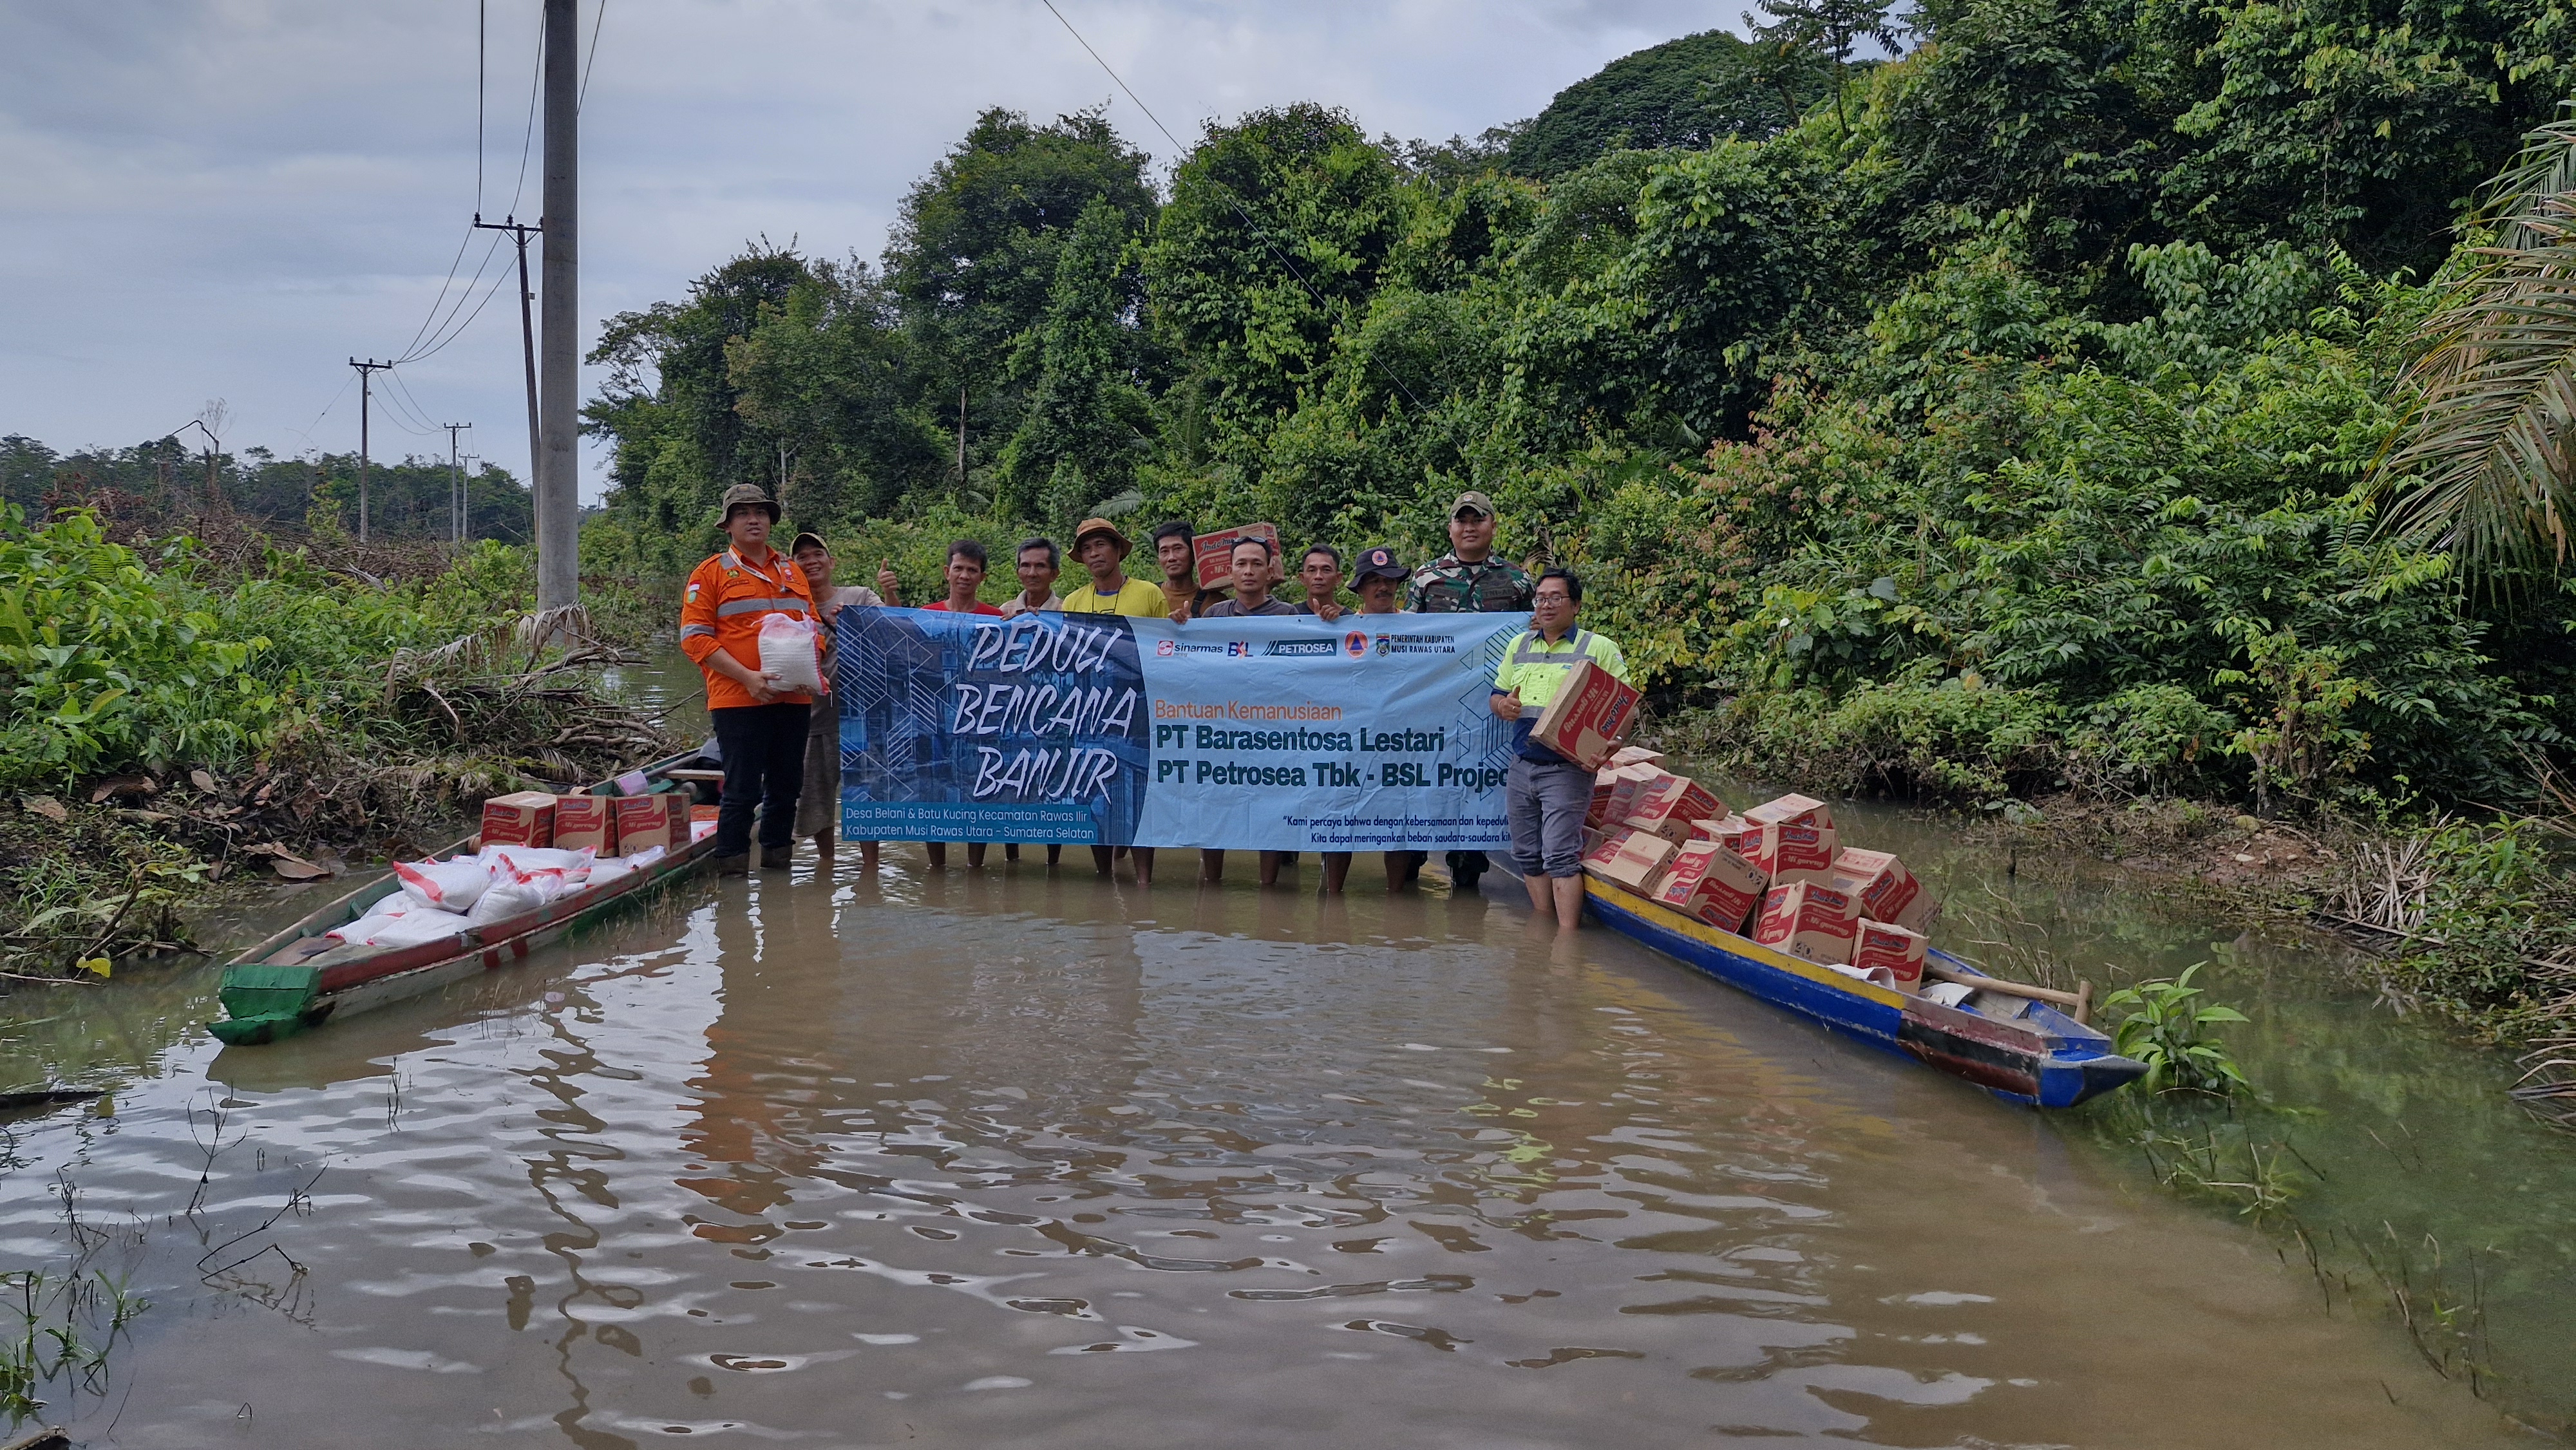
759, 700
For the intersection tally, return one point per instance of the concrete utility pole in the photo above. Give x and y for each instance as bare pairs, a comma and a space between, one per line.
961, 437
520, 232
559, 466
366, 396
455, 486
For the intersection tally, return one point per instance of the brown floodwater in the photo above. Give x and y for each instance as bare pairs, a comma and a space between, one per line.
1021, 1158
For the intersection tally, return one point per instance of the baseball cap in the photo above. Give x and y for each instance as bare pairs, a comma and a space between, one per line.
1378, 562
1472, 501
809, 537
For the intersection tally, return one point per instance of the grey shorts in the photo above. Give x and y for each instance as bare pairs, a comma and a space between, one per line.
1546, 804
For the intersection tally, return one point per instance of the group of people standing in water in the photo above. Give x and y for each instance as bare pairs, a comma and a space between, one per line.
779, 746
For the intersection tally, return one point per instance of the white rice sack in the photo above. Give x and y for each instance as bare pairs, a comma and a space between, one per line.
551, 883
446, 885
411, 928
507, 899
792, 650
516, 860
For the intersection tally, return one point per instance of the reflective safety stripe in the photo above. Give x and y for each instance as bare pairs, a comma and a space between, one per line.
789, 605
689, 631
1533, 650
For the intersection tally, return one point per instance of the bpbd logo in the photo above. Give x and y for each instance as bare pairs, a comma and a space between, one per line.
1355, 644
1299, 647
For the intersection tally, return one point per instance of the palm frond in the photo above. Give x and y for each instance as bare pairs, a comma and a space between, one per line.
2486, 454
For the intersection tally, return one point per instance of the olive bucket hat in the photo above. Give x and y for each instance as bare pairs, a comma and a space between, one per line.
743, 495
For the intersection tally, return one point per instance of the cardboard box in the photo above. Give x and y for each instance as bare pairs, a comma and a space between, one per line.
1629, 860
1625, 782
1726, 829
586, 820
1604, 781
1600, 848
1636, 755
1708, 882
1885, 944
1590, 712
1877, 880
1794, 851
1810, 921
1215, 552
1920, 913
1791, 810
646, 821
707, 814
526, 818
1668, 804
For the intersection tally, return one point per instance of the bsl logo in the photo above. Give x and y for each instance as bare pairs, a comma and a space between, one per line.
1355, 644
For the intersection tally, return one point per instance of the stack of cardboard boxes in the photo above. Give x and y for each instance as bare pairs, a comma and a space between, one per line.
609, 825
1778, 872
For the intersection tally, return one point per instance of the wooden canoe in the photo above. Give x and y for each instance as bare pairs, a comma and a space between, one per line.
2016, 1048
264, 1001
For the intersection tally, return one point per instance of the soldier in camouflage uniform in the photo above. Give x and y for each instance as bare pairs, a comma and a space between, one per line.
1469, 580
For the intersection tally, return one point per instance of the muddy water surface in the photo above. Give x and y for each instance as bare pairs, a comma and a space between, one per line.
1020, 1158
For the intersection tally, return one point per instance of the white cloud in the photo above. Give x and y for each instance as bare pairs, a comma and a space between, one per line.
232, 198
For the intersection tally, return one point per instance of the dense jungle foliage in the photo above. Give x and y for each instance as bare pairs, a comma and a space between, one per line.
164, 486
1993, 417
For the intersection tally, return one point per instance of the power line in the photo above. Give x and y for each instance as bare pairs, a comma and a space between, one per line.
593, 58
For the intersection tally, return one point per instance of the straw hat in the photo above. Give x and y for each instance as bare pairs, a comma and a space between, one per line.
1101, 526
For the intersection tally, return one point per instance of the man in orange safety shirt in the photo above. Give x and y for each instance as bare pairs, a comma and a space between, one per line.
759, 722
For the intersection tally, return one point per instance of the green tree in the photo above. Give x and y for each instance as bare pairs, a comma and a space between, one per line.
1084, 429
1682, 94
973, 253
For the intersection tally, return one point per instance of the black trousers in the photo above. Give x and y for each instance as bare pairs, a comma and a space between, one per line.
764, 768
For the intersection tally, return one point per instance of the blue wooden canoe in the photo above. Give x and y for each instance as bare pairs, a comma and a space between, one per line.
2021, 1050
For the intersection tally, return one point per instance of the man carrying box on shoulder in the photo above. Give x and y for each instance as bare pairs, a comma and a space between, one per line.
760, 723
1546, 794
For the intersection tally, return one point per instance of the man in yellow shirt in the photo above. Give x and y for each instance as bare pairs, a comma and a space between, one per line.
1100, 549
1546, 794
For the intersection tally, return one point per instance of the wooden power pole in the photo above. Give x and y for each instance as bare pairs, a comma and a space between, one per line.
520, 232
455, 485
558, 468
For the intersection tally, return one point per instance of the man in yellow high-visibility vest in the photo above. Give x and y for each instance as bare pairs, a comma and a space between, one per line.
1547, 794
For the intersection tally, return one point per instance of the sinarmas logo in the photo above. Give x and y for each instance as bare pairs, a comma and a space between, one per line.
1299, 647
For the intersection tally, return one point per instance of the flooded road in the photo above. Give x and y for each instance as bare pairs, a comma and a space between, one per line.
1013, 1158
1022, 1158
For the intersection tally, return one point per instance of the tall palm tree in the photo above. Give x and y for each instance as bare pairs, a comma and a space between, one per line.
2486, 456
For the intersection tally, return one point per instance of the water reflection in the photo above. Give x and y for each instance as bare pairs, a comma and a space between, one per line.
1019, 1157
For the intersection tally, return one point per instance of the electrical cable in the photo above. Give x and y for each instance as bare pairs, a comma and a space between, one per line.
1246, 217
593, 58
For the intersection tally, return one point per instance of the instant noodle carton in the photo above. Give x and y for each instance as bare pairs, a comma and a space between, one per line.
1808, 920
586, 820
1636, 755
1592, 709
1668, 804
1600, 848
526, 818
1880, 881
646, 821
1790, 810
1727, 829
1629, 860
1885, 944
1215, 552
1794, 851
1708, 882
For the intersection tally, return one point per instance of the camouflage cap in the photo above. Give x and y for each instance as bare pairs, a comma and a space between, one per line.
1473, 501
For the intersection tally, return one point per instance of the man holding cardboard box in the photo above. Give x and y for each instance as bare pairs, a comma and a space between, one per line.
1546, 794
759, 722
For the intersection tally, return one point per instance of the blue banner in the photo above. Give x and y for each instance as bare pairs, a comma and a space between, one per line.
1288, 733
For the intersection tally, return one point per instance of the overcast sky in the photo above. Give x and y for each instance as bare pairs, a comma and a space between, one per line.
229, 198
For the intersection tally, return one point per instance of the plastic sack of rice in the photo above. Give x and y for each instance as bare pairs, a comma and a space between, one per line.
506, 899
792, 651
447, 885
516, 860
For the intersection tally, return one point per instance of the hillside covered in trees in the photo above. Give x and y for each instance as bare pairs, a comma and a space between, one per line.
1999, 415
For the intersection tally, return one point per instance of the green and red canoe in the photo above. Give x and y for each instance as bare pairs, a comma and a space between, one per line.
264, 1000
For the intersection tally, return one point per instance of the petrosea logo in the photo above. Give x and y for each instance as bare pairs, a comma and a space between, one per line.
1356, 645
1278, 647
